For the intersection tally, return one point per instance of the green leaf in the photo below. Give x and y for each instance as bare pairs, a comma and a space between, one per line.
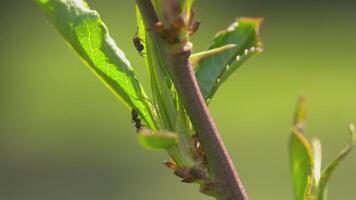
157, 141
170, 111
327, 172
317, 156
84, 30
160, 82
157, 5
186, 8
301, 161
186, 5
171, 114
212, 71
301, 157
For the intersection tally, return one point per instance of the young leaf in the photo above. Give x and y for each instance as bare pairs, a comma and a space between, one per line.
212, 71
327, 172
301, 160
301, 157
157, 141
84, 30
186, 7
170, 111
158, 7
159, 79
317, 156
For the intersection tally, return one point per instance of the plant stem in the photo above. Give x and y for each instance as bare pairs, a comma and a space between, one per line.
226, 184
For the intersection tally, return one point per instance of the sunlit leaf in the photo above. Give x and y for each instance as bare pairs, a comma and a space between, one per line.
212, 71
157, 141
84, 30
327, 172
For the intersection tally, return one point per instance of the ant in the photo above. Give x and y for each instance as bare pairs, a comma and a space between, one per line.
138, 44
135, 119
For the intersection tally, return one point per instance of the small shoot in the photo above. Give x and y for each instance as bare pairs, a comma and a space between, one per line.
301, 155
330, 168
309, 180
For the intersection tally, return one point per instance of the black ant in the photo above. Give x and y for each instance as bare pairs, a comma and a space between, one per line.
135, 119
138, 44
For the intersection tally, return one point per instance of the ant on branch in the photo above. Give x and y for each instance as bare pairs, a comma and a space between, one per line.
138, 44
135, 119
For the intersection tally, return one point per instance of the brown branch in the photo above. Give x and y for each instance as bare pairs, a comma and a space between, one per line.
226, 184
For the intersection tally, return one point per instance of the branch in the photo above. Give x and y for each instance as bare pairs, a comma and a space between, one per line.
226, 184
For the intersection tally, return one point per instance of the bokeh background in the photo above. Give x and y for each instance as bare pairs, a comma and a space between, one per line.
64, 136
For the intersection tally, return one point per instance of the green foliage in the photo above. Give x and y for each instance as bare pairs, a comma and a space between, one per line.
309, 181
161, 85
301, 158
157, 141
171, 114
157, 6
84, 30
213, 70
166, 123
186, 7
327, 172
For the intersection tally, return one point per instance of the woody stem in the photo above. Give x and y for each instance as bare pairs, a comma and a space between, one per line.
226, 184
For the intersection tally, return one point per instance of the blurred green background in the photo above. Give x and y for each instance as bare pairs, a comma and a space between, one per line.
64, 136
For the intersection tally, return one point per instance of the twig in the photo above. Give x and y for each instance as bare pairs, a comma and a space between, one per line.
226, 184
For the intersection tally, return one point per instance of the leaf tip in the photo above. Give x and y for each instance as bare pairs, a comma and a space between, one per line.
256, 22
300, 114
